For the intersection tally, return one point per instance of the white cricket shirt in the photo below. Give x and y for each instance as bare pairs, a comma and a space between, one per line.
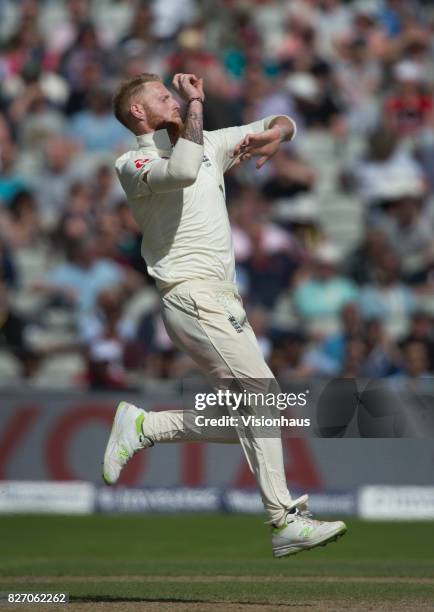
186, 232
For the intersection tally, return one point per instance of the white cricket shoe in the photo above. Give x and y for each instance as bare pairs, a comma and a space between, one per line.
300, 532
126, 438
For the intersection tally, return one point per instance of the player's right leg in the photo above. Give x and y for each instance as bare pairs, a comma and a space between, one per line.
299, 531
203, 324
207, 321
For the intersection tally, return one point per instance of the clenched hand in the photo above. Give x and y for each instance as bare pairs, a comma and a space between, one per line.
188, 86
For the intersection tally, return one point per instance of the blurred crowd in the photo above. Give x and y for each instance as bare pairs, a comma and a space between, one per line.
333, 238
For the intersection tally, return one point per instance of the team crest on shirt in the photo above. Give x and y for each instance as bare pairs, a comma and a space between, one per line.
140, 162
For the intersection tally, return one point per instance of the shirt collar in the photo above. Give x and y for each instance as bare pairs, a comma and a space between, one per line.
159, 140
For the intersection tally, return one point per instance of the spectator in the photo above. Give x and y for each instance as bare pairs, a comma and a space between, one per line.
300, 216
22, 224
362, 263
316, 102
53, 183
25, 50
264, 251
391, 17
79, 280
384, 163
77, 220
35, 120
262, 96
85, 50
408, 227
388, 298
13, 335
140, 29
11, 181
334, 346
62, 29
415, 361
87, 82
334, 19
359, 78
106, 191
258, 321
409, 107
355, 353
109, 338
286, 360
290, 175
322, 292
96, 128
8, 275
421, 330
130, 239
339, 68
366, 25
170, 16
293, 357
382, 355
248, 211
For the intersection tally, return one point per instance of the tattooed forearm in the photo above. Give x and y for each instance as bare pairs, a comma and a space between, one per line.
193, 125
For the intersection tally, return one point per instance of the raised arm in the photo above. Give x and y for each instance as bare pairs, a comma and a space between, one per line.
183, 166
230, 144
194, 96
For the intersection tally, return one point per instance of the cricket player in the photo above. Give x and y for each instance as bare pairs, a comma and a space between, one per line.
175, 187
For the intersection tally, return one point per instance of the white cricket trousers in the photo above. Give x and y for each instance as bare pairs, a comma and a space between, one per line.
207, 321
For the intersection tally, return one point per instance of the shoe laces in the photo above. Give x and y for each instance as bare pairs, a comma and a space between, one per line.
305, 514
142, 439
302, 511
306, 518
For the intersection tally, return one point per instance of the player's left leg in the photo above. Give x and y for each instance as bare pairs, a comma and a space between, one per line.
134, 429
224, 355
126, 439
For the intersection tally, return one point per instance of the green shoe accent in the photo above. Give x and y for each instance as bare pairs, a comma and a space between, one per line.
139, 422
279, 529
305, 532
106, 479
123, 453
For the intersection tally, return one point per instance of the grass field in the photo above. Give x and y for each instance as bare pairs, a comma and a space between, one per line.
213, 562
